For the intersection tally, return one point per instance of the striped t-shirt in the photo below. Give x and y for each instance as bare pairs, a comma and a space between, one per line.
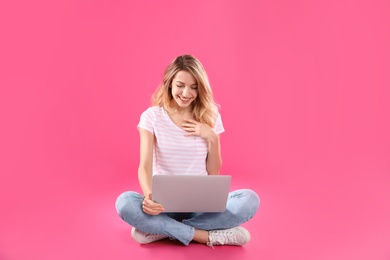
173, 152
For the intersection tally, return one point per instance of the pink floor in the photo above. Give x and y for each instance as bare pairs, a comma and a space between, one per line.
305, 101
76, 219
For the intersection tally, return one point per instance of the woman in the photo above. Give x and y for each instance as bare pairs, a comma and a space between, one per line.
183, 117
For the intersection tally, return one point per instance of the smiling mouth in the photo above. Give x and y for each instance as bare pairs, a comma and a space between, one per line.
184, 99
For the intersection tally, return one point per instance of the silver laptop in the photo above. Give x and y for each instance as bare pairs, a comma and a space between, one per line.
191, 193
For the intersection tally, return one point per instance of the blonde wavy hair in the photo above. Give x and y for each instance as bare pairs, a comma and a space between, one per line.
204, 109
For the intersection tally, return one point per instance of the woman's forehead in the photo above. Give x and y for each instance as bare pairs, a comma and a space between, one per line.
185, 77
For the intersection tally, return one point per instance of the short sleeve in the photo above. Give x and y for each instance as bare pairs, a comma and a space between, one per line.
147, 120
219, 125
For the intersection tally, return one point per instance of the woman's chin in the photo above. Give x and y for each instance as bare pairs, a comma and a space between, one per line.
183, 103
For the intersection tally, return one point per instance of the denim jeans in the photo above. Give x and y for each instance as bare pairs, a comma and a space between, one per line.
242, 205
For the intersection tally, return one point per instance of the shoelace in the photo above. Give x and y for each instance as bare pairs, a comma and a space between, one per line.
221, 238
153, 236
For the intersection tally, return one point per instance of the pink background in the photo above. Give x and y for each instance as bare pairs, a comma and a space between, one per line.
304, 94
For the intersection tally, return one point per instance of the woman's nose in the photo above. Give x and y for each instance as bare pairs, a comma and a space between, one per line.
185, 92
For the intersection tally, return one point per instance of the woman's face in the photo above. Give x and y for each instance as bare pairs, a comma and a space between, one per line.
184, 89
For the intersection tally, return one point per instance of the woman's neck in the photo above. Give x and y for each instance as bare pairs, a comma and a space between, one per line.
177, 110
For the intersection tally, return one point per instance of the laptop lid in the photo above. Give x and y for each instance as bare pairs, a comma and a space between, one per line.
191, 193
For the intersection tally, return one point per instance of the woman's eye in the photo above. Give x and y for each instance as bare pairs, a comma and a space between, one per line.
179, 86
195, 87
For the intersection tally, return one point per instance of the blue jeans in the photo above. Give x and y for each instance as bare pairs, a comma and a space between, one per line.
242, 205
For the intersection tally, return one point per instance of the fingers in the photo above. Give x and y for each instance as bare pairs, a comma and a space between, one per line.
195, 128
188, 126
191, 125
190, 129
152, 210
190, 121
151, 207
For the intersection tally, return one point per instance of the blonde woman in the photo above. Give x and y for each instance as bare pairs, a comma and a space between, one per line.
183, 117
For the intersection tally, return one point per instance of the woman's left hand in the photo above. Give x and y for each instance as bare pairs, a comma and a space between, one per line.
195, 128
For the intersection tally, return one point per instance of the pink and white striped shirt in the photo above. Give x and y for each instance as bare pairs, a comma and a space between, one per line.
173, 152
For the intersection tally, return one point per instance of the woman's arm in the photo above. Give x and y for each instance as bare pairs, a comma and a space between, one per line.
145, 173
145, 169
214, 160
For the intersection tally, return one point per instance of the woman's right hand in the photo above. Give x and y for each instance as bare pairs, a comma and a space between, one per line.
150, 207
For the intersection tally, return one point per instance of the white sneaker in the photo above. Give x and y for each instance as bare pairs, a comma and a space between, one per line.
145, 238
237, 236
